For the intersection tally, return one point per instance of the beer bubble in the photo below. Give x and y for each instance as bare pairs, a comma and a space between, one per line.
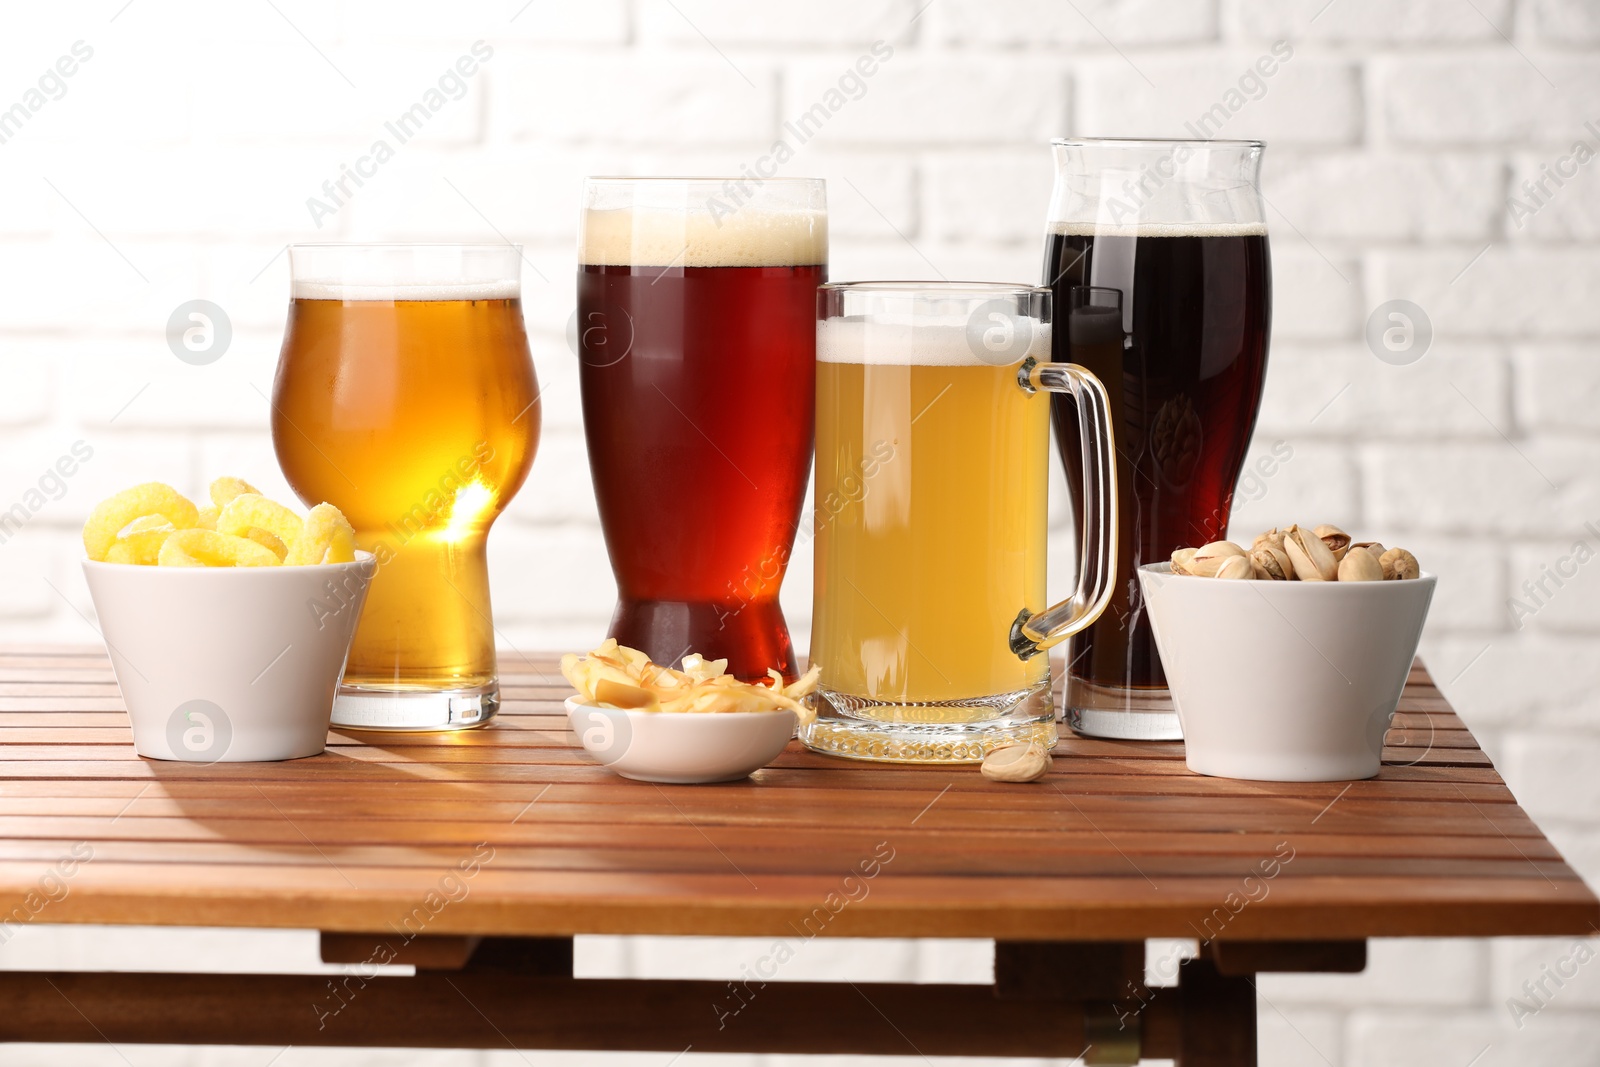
198, 731
1399, 332
199, 332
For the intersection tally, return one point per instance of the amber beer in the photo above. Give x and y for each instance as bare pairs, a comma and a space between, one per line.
407, 398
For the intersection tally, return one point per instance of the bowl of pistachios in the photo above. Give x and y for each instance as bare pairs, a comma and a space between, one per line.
1286, 659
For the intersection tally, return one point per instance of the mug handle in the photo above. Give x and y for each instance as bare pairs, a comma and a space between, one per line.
1097, 566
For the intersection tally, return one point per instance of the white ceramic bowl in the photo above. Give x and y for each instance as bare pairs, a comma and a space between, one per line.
1285, 681
229, 664
681, 748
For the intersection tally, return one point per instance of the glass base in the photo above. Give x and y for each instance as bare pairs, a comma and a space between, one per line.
935, 731
400, 710
1121, 713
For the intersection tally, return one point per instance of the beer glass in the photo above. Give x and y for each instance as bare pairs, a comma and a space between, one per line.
696, 334
1157, 253
932, 478
405, 396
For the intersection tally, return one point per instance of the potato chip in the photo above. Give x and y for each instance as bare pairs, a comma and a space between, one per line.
617, 676
325, 537
111, 516
207, 519
207, 548
140, 544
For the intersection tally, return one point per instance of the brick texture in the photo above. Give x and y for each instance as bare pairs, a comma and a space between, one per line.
1434, 151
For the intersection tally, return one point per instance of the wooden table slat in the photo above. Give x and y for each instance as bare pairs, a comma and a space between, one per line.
1120, 841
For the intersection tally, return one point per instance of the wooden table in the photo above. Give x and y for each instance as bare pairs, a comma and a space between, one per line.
478, 856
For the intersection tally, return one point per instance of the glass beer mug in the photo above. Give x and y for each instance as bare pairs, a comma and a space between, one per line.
931, 484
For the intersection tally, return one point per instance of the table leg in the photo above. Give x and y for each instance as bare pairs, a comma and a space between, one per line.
1217, 1027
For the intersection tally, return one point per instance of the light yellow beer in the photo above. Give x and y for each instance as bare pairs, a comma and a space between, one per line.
931, 486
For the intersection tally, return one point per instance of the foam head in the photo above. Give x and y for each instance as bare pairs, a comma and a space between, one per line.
315, 289
391, 273
1160, 229
941, 342
702, 222
653, 237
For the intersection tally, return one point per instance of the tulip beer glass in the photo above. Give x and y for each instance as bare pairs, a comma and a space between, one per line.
1157, 253
933, 425
405, 396
696, 331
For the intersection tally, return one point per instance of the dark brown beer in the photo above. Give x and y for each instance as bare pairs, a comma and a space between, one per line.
1175, 323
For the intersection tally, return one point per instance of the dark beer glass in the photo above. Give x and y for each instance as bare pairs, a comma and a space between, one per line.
696, 329
1157, 255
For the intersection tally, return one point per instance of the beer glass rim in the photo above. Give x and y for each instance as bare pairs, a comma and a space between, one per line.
941, 287
405, 271
717, 179
1153, 142
498, 246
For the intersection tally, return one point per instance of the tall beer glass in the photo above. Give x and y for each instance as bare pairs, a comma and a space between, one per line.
696, 331
1157, 253
932, 477
405, 396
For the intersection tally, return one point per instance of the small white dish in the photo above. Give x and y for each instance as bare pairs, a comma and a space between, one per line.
681, 748
1285, 681
229, 664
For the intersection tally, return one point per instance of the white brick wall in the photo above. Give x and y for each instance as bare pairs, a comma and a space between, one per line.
177, 164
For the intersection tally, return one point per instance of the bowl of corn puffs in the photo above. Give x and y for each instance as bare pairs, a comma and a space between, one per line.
228, 623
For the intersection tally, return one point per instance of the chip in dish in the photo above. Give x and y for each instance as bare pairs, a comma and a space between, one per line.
616, 676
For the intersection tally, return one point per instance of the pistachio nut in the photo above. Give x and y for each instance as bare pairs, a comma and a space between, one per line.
1208, 558
1181, 560
1271, 562
1360, 565
1023, 762
1312, 558
1236, 567
1397, 563
1273, 536
1337, 540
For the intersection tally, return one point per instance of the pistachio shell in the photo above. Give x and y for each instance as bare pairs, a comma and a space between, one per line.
1236, 567
1016, 763
1360, 565
1337, 540
1181, 560
1272, 563
1397, 563
1208, 558
1312, 558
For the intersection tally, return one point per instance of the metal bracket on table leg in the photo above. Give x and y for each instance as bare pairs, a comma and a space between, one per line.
1106, 977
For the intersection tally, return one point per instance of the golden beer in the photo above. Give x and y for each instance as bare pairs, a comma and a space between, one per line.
415, 411
932, 470
939, 473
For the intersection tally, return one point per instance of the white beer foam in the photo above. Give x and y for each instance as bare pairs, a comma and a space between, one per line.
924, 344
1160, 229
310, 289
748, 237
